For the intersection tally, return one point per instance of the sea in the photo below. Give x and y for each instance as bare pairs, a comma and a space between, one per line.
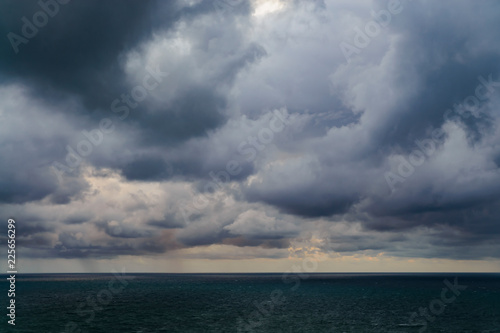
320, 302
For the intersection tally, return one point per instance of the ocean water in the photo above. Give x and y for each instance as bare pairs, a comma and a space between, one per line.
150, 303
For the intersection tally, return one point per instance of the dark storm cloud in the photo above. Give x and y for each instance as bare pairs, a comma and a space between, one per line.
350, 123
146, 169
470, 217
71, 245
446, 68
78, 49
29, 146
34, 227
169, 222
78, 55
193, 113
121, 230
342, 179
452, 53
78, 218
317, 199
76, 52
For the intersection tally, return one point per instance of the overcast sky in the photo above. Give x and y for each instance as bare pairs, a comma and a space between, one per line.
247, 135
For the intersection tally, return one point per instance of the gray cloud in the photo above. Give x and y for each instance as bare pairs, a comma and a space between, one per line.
146, 189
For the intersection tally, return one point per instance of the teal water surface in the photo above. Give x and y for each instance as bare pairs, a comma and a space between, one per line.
150, 303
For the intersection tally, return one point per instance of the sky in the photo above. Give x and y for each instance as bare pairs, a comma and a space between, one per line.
251, 135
